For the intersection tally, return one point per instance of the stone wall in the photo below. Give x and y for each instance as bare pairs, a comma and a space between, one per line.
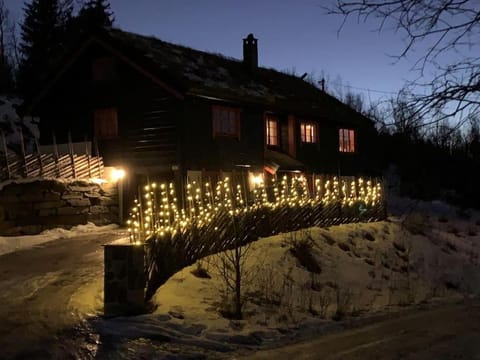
31, 207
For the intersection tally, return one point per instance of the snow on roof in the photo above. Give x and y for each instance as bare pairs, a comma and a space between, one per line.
201, 73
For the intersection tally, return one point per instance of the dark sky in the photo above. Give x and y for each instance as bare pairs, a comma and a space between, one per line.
293, 34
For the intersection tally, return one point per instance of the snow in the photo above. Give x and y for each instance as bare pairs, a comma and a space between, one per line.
363, 260
15, 243
422, 257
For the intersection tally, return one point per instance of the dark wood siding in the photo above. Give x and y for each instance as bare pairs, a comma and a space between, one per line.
147, 114
202, 151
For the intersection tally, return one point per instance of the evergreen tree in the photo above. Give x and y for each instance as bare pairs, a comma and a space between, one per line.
43, 36
95, 14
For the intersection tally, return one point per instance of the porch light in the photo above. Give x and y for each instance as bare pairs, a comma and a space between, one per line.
117, 174
255, 180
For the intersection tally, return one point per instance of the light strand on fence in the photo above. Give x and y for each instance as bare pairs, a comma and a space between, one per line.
157, 213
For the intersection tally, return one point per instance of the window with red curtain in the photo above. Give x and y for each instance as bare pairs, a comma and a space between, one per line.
308, 132
347, 140
271, 130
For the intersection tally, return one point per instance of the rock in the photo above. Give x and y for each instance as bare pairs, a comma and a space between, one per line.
47, 212
70, 195
98, 209
79, 202
69, 210
47, 205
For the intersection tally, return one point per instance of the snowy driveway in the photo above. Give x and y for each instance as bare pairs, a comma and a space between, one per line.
50, 291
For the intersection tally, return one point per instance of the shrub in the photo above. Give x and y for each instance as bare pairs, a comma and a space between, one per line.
301, 249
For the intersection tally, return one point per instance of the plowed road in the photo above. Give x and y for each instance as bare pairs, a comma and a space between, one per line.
448, 332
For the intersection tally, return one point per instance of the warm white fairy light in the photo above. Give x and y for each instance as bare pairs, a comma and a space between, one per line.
159, 214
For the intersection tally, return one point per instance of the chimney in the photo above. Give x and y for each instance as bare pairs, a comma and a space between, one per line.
250, 52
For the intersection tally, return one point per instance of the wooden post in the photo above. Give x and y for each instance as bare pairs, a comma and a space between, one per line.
72, 156
55, 154
22, 145
39, 156
88, 158
97, 154
5, 149
124, 279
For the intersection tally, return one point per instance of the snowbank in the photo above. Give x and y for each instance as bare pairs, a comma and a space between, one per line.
362, 272
14, 243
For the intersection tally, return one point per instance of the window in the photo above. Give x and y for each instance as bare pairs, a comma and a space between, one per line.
226, 121
271, 128
308, 132
347, 140
104, 69
105, 123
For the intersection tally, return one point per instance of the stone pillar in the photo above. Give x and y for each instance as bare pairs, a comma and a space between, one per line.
124, 279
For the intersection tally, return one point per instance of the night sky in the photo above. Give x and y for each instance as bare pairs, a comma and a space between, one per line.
292, 35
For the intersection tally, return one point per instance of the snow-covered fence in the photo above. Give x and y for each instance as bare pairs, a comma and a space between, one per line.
219, 218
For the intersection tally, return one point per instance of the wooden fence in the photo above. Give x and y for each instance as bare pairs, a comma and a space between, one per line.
70, 166
220, 218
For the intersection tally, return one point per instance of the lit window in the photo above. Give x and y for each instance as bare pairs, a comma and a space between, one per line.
105, 123
271, 125
308, 132
226, 121
347, 140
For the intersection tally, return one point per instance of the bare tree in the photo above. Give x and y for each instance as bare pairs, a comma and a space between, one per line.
231, 266
449, 29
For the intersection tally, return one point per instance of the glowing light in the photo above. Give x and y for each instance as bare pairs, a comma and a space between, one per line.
117, 174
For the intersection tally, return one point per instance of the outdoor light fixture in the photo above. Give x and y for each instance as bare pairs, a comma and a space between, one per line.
117, 174
255, 180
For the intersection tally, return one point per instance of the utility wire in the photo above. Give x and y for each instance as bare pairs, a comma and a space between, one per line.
365, 89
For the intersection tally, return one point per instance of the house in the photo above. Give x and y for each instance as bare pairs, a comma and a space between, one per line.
166, 111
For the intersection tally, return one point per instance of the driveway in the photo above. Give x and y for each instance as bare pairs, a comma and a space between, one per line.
50, 290
448, 332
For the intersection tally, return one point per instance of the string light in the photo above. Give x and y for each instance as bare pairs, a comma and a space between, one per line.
158, 214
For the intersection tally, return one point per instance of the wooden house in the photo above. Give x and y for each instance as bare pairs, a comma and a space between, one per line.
161, 110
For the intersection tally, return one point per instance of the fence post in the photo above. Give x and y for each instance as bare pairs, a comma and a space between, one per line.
72, 159
22, 145
39, 156
124, 279
5, 149
55, 154
88, 158
95, 143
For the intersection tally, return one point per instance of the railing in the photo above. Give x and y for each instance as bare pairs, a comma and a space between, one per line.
67, 161
48, 165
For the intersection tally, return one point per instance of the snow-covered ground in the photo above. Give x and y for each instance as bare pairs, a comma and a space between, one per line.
424, 253
364, 271
10, 244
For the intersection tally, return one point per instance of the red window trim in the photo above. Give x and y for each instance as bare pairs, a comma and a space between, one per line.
271, 117
315, 135
349, 145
